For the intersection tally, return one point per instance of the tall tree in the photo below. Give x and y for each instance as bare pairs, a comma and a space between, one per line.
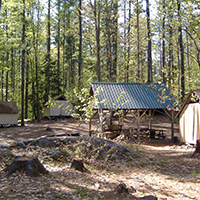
138, 39
48, 52
97, 11
23, 66
80, 44
149, 57
163, 43
180, 39
129, 29
115, 39
58, 55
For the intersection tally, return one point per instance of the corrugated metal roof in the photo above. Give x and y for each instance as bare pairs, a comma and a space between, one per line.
137, 95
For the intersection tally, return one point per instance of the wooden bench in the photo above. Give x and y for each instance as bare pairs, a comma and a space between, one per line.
160, 134
157, 133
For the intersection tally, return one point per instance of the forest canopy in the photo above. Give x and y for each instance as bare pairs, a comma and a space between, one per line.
52, 47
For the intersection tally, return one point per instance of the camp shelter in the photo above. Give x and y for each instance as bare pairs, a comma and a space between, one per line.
8, 113
189, 118
137, 96
60, 107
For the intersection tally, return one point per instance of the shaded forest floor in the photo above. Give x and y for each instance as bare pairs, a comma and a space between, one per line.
160, 168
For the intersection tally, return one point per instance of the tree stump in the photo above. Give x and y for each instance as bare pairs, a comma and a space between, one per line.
197, 150
78, 165
121, 188
32, 167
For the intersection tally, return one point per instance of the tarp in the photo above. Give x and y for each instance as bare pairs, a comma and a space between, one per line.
190, 123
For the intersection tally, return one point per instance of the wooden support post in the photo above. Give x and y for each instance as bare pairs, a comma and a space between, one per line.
90, 132
101, 119
138, 119
150, 119
172, 124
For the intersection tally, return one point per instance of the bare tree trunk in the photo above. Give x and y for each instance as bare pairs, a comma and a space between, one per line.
108, 41
80, 44
181, 52
150, 76
188, 61
48, 52
2, 85
138, 42
163, 44
26, 88
12, 75
58, 62
115, 35
23, 67
129, 28
96, 9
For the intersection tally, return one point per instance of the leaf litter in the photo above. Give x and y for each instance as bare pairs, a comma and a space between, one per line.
162, 170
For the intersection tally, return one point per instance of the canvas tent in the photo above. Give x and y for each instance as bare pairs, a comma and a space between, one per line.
189, 118
8, 113
60, 108
137, 96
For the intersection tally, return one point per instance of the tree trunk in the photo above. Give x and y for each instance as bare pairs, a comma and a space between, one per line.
23, 67
108, 42
181, 52
26, 89
125, 35
96, 9
149, 58
115, 35
80, 44
2, 85
12, 75
7, 86
48, 52
163, 43
58, 58
129, 28
170, 60
138, 42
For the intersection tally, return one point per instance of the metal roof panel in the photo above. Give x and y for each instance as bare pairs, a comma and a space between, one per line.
139, 96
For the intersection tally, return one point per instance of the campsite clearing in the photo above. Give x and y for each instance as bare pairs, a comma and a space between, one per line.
161, 168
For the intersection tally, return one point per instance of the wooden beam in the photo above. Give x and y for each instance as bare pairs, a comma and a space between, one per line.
167, 113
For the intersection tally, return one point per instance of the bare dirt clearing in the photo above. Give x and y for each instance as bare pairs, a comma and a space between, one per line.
160, 167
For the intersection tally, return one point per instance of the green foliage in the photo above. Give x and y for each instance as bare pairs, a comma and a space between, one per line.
65, 80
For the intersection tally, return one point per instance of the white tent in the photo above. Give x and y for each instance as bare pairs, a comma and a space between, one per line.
189, 118
8, 113
60, 108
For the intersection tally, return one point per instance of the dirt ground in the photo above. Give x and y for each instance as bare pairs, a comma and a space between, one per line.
161, 168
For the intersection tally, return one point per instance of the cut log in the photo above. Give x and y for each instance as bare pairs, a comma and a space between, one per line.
78, 165
197, 150
31, 166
